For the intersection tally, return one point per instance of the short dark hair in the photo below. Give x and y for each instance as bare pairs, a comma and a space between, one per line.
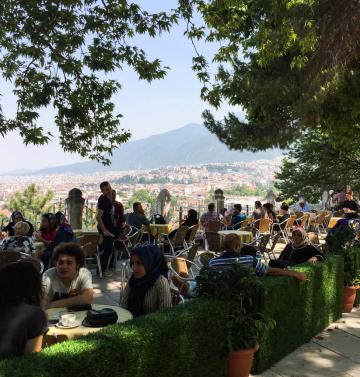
104, 184
72, 249
211, 206
135, 205
258, 203
285, 207
20, 282
238, 207
231, 241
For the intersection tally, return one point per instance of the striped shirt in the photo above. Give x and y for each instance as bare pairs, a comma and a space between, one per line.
226, 259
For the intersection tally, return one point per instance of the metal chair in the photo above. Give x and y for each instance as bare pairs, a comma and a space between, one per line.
177, 242
89, 244
213, 240
192, 231
263, 226
286, 230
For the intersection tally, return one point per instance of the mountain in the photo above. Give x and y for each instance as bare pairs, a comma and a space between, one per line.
189, 145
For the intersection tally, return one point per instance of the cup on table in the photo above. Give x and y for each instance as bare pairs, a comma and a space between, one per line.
68, 319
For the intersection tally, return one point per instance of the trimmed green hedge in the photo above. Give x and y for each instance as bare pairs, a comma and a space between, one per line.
180, 342
184, 341
300, 310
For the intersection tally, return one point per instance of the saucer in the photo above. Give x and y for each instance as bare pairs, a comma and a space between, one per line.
76, 324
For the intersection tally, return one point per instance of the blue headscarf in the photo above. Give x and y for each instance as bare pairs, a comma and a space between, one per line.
155, 265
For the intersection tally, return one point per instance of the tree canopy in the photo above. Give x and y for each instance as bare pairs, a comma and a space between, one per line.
58, 53
292, 65
314, 165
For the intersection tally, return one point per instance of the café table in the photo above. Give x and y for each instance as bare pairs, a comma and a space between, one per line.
72, 333
156, 229
246, 237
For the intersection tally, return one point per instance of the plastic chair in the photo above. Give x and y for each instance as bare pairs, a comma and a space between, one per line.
192, 231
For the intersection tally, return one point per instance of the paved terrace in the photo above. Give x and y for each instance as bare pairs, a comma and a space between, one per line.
335, 352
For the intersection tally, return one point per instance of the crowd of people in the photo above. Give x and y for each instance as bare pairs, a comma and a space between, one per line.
25, 294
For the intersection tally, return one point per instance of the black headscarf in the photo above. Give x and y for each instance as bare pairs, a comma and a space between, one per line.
155, 265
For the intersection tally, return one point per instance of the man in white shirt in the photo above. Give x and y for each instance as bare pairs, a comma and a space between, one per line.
69, 283
302, 206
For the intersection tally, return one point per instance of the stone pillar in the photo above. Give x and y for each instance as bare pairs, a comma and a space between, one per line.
75, 204
219, 200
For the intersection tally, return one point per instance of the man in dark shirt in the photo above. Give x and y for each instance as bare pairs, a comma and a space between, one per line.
106, 226
137, 218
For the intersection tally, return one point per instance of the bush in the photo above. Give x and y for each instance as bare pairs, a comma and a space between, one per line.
300, 310
179, 342
185, 341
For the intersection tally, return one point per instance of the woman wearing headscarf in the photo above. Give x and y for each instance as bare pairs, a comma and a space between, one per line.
148, 288
299, 250
17, 216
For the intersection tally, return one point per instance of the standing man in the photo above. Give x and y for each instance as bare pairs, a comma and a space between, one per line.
106, 226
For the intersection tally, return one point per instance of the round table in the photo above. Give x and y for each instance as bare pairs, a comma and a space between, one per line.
64, 334
156, 229
246, 237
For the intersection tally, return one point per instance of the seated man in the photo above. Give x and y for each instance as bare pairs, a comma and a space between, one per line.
237, 216
19, 241
137, 218
17, 216
69, 283
234, 254
211, 215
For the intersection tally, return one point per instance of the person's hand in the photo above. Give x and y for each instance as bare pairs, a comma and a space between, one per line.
300, 275
312, 260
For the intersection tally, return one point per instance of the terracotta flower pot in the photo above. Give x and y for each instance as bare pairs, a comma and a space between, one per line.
240, 362
349, 294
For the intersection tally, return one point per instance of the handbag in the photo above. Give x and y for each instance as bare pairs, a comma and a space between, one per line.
100, 318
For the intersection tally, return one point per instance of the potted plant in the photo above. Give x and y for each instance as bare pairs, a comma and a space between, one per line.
343, 241
240, 288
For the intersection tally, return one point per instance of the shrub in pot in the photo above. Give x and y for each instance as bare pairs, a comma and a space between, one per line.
343, 241
242, 290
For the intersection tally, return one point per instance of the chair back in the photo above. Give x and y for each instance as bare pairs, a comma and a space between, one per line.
180, 236
274, 242
180, 266
192, 233
305, 220
192, 252
333, 221
263, 241
89, 244
206, 257
213, 226
214, 241
338, 213
298, 214
320, 219
314, 238
264, 226
290, 222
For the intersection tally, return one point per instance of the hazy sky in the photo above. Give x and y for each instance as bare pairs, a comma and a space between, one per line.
147, 109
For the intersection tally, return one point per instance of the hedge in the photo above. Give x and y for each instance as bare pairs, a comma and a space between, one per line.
179, 342
185, 341
300, 310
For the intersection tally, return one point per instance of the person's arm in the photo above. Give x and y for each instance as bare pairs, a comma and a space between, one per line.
164, 294
99, 213
85, 297
280, 272
33, 345
144, 220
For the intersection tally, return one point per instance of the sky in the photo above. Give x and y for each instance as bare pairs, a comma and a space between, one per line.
147, 109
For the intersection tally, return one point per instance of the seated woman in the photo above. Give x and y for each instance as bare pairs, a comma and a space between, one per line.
269, 211
20, 241
148, 289
284, 215
22, 322
299, 250
69, 283
17, 216
47, 232
191, 219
